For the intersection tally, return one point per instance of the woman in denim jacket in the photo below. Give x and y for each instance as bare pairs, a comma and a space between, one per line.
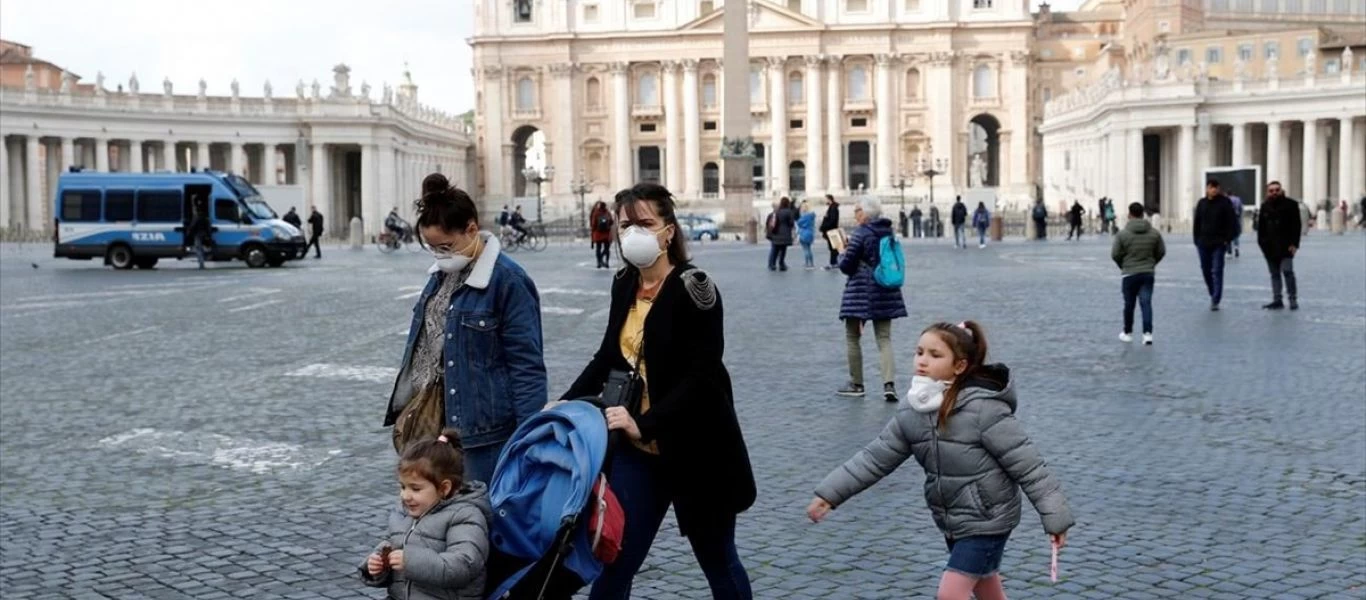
475, 336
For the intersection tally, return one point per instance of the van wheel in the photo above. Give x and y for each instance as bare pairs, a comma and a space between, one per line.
145, 262
120, 257
255, 256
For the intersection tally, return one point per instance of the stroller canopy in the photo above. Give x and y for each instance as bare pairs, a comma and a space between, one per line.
543, 481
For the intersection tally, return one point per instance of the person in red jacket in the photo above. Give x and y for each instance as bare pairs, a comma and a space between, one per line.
601, 221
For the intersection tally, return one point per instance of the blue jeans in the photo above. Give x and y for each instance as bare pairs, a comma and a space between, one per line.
480, 462
960, 239
806, 254
638, 482
981, 236
777, 257
1212, 267
977, 556
1138, 287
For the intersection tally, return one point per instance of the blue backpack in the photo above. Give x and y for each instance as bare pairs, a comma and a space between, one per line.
891, 267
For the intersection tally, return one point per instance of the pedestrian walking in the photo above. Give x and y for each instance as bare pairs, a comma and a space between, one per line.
865, 300
1213, 230
1040, 216
602, 221
200, 230
981, 219
1136, 251
686, 448
474, 354
959, 424
831, 222
1074, 220
916, 216
1278, 235
437, 541
315, 224
1110, 217
806, 234
782, 224
1233, 249
1101, 224
959, 217
936, 226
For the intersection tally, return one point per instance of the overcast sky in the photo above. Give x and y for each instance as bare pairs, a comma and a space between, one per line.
256, 40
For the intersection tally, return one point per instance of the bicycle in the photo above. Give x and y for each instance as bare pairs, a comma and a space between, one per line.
388, 241
533, 239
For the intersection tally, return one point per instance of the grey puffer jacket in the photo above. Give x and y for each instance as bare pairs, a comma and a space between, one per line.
444, 551
974, 469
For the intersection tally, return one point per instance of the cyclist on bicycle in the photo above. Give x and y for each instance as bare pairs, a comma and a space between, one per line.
397, 226
518, 223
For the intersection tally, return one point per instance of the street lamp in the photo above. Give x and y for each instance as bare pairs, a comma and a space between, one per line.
901, 186
582, 185
538, 176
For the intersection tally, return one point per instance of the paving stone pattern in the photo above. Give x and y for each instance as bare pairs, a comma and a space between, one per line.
185, 434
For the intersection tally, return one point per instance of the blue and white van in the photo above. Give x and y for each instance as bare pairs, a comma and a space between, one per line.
135, 219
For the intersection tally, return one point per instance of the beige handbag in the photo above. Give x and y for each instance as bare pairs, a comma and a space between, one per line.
422, 418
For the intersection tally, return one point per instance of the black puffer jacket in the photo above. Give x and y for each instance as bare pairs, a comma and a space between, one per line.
1278, 228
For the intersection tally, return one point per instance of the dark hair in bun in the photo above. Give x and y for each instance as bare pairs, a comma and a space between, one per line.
444, 206
436, 460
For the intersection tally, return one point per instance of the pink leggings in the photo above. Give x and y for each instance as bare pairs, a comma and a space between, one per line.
957, 586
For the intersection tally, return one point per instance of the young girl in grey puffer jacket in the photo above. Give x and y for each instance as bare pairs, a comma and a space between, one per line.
959, 423
438, 537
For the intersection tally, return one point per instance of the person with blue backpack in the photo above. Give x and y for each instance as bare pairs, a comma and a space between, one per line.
876, 268
981, 219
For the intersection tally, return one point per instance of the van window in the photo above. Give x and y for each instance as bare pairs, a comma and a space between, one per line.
80, 205
159, 207
118, 206
226, 210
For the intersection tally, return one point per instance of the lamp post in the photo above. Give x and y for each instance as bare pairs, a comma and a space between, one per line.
538, 176
901, 187
581, 186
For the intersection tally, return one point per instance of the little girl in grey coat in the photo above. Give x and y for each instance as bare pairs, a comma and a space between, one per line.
958, 422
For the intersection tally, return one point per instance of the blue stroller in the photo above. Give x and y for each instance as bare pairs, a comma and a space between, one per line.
540, 542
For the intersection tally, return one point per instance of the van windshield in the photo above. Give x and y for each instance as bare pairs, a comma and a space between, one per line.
260, 209
243, 187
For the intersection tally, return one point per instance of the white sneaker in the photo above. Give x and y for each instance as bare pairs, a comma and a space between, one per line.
981, 246
1147, 339
1126, 338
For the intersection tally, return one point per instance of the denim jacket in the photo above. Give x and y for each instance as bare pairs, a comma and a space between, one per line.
493, 364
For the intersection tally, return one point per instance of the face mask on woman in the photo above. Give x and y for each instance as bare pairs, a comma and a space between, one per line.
640, 246
455, 263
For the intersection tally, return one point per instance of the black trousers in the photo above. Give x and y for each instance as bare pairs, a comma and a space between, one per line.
603, 252
834, 254
313, 243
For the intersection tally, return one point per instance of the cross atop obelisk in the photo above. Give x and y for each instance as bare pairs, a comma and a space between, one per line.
737, 145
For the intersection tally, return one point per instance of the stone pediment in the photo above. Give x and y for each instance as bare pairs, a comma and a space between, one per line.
763, 16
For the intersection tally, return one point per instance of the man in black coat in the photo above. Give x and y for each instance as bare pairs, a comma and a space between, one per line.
292, 218
1074, 220
1278, 235
315, 221
916, 216
959, 217
1214, 228
829, 223
936, 228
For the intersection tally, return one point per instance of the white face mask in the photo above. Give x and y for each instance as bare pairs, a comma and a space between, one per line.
926, 395
455, 263
640, 246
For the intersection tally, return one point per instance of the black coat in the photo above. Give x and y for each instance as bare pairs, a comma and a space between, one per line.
831, 221
692, 410
315, 220
959, 214
1215, 222
1278, 228
784, 224
292, 218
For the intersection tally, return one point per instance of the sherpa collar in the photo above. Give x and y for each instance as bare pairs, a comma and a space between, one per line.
482, 271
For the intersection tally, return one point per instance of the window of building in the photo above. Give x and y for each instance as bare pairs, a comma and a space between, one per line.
1183, 56
590, 13
711, 179
794, 5
592, 91
118, 205
794, 88
648, 164
647, 90
913, 84
794, 124
756, 86
856, 5
526, 94
981, 3
643, 9
912, 5
858, 83
80, 206
796, 176
225, 210
983, 84
757, 174
647, 127
1305, 46
709, 126
521, 11
1271, 50
1332, 66
860, 165
1214, 55
709, 90
159, 207
1164, 26
858, 122
1245, 52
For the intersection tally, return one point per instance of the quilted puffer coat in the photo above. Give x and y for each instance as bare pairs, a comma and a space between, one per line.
864, 299
974, 468
444, 550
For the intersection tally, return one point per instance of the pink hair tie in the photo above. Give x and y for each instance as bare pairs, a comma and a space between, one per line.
442, 439
964, 326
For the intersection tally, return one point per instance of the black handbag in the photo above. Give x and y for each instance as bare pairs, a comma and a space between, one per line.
623, 388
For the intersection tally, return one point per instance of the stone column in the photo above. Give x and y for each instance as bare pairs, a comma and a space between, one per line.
621, 128
1133, 157
269, 163
33, 187
1240, 155
1346, 160
1309, 191
834, 142
495, 168
6, 177
886, 124
815, 168
1275, 158
565, 148
201, 154
692, 133
102, 155
1358, 165
1020, 134
238, 160
370, 209
1186, 189
777, 124
388, 195
673, 129
68, 151
944, 138
135, 154
321, 196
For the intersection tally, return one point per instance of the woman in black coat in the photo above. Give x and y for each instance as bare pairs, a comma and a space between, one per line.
685, 447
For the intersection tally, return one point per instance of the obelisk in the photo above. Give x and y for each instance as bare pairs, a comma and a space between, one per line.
737, 143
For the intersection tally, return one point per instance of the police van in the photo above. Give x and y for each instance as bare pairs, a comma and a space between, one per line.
136, 219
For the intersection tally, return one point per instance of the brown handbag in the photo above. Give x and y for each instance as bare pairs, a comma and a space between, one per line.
422, 418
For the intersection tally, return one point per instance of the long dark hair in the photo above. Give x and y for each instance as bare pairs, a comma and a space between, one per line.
444, 206
968, 342
628, 201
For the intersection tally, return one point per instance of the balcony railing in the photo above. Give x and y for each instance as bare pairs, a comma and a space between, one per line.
528, 114
858, 104
647, 110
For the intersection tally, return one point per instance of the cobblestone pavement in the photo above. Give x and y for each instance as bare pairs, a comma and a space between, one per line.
185, 434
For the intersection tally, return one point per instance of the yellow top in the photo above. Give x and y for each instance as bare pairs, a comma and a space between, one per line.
632, 341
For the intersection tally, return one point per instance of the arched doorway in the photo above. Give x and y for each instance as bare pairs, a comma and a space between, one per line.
528, 149
983, 162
